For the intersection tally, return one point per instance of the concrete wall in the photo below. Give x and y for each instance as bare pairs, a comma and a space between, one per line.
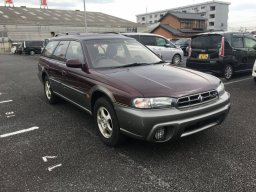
5, 46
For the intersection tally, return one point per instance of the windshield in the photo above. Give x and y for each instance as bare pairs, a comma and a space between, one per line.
206, 42
105, 53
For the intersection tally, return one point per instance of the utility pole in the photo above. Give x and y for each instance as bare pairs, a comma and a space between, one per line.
85, 19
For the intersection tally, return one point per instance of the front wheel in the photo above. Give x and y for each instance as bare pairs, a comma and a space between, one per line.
32, 53
176, 59
106, 122
228, 72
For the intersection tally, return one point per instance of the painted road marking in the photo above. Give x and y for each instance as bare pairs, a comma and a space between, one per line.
19, 132
53, 167
237, 81
48, 157
7, 101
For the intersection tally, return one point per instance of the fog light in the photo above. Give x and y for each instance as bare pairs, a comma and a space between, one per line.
160, 134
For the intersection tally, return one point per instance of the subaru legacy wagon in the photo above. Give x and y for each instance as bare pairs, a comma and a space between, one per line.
128, 90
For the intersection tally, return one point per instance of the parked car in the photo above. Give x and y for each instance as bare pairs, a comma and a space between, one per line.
159, 45
14, 47
30, 47
254, 71
223, 53
184, 44
129, 90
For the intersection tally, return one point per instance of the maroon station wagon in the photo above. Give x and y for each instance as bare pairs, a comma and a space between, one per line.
128, 90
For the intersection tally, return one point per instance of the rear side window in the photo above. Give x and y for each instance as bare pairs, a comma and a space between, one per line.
60, 51
206, 42
238, 42
148, 40
48, 50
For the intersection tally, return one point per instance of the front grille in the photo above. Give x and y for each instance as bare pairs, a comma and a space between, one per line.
197, 99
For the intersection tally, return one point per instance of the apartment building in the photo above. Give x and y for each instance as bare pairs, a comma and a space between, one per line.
216, 13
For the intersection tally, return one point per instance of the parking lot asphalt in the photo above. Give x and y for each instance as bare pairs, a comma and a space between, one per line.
55, 147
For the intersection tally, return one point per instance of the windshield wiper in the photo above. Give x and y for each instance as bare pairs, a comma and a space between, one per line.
135, 64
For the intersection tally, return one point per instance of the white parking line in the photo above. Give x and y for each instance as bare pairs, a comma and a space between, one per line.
53, 167
7, 101
231, 82
18, 132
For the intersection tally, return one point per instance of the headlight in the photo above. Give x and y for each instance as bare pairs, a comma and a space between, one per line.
157, 102
220, 88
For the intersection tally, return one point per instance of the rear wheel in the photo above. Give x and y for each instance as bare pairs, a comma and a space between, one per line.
49, 94
176, 59
106, 121
228, 72
32, 52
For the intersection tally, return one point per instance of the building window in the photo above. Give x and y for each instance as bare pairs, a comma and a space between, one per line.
161, 15
212, 16
186, 24
150, 21
203, 7
156, 21
155, 15
211, 23
184, 11
150, 16
212, 8
222, 24
143, 18
203, 14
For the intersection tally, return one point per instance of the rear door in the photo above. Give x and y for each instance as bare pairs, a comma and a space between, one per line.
59, 67
239, 52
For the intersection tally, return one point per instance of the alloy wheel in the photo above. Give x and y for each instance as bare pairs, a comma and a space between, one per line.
104, 122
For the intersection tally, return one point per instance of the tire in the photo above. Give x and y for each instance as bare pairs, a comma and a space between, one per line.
31, 52
254, 78
228, 72
176, 59
106, 122
49, 94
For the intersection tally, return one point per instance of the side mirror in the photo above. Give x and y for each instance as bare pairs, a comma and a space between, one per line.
167, 45
74, 63
254, 47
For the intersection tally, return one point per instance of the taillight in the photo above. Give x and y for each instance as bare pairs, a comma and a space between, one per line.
222, 48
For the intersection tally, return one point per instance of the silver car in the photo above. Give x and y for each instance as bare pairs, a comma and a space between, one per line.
160, 46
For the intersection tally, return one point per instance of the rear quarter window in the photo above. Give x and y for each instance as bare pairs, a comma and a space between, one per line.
48, 50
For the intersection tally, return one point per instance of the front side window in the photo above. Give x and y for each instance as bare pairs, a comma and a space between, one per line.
47, 52
60, 51
160, 41
249, 43
75, 51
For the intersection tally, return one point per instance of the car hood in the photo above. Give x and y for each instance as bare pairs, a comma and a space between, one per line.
162, 80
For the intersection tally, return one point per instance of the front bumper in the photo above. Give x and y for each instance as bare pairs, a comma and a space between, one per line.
143, 124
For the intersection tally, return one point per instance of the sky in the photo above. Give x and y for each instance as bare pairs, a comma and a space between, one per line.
242, 13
